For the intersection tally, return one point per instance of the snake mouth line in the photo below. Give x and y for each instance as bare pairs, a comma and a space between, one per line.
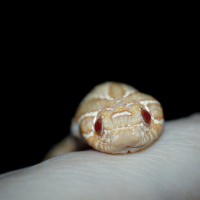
130, 147
135, 147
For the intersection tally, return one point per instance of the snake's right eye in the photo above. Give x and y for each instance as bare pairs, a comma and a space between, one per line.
98, 126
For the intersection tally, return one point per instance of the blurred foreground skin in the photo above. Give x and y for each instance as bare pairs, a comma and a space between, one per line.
169, 169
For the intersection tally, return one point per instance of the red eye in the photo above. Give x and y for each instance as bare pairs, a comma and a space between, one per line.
98, 126
146, 117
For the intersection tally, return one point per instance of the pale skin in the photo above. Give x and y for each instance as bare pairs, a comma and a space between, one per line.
168, 169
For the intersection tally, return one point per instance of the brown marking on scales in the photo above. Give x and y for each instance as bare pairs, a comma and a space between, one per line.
116, 91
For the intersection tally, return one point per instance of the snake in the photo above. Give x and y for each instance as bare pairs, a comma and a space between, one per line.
114, 118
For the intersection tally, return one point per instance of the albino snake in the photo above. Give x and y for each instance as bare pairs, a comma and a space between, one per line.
114, 118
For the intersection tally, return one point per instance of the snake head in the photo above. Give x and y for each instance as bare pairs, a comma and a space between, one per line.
125, 128
116, 118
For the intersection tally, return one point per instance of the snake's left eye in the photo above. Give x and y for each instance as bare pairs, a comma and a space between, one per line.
146, 117
98, 126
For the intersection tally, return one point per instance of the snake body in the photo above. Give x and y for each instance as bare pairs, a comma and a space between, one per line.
116, 118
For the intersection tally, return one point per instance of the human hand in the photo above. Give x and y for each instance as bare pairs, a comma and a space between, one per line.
169, 169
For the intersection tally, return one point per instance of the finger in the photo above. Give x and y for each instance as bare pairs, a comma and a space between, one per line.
169, 169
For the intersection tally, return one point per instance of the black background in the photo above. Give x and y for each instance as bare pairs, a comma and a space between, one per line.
47, 75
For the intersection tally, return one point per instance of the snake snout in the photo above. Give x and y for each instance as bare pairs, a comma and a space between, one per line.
124, 142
